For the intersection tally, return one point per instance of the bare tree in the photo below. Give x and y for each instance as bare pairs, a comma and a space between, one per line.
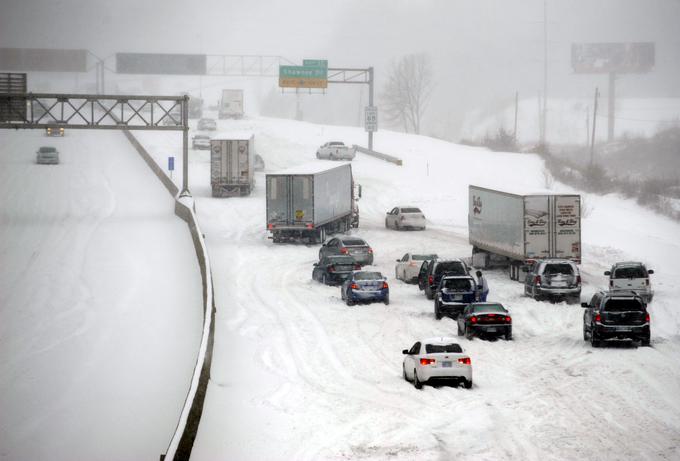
408, 90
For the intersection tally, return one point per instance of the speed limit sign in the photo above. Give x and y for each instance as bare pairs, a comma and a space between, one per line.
371, 118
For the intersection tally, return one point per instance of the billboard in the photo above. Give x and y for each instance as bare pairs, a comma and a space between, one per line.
603, 58
43, 60
155, 63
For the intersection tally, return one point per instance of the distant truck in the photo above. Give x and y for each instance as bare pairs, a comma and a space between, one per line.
232, 165
231, 104
515, 230
195, 107
309, 201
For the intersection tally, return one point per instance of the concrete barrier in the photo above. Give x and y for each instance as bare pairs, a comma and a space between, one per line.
380, 155
183, 438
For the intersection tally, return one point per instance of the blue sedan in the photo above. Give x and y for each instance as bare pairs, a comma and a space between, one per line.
365, 287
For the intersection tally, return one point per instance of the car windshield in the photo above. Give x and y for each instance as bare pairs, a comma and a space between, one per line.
423, 257
620, 305
633, 272
336, 143
437, 348
46, 150
353, 242
457, 284
488, 308
554, 269
368, 276
411, 210
452, 267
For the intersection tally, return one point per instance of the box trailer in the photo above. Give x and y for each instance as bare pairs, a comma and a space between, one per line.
231, 104
514, 229
232, 164
309, 201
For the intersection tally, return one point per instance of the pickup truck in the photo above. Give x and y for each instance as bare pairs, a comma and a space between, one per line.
335, 150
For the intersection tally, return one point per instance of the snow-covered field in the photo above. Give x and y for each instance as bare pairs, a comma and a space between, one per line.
298, 375
100, 302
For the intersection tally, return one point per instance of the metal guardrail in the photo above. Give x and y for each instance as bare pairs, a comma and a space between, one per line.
380, 155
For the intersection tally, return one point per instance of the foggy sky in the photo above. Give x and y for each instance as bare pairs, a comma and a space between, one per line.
482, 51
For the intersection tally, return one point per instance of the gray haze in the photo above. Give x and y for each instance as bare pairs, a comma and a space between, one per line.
482, 51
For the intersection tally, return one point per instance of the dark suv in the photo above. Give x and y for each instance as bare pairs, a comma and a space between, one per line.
453, 294
429, 281
616, 315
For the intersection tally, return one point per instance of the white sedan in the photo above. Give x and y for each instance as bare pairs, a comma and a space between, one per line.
437, 360
408, 267
405, 218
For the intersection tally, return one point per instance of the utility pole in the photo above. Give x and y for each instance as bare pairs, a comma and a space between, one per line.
545, 73
514, 133
587, 125
612, 106
592, 142
370, 104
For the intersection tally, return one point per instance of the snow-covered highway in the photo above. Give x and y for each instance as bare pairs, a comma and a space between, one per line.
100, 301
296, 374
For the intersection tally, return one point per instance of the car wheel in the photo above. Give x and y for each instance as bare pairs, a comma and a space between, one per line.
508, 336
468, 333
403, 371
387, 226
437, 314
468, 384
396, 274
349, 301
586, 337
387, 300
416, 382
460, 332
396, 226
323, 279
594, 339
645, 341
429, 294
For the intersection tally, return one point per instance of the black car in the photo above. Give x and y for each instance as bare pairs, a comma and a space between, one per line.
438, 268
616, 315
488, 319
453, 294
333, 270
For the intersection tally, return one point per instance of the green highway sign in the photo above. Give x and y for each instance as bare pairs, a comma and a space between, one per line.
303, 76
323, 63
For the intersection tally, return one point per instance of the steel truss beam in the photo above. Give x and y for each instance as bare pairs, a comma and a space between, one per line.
244, 65
92, 111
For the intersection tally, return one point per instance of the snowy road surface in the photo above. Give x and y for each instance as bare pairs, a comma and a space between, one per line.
298, 375
100, 302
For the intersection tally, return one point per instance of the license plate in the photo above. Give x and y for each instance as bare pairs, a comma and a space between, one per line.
559, 284
446, 364
491, 330
457, 297
623, 329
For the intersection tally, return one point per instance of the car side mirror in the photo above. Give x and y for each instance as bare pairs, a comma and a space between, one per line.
650, 271
398, 260
607, 273
585, 305
316, 264
405, 352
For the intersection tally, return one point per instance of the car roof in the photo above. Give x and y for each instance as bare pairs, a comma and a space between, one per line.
447, 277
621, 294
487, 304
627, 264
440, 340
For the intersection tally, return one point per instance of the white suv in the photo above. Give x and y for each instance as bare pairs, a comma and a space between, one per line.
631, 275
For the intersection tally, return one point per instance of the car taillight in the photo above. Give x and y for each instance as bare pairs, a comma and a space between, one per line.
370, 250
270, 226
430, 280
385, 286
310, 225
508, 319
537, 280
354, 286
344, 251
331, 269
647, 317
598, 318
357, 267
427, 361
473, 319
578, 279
465, 361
